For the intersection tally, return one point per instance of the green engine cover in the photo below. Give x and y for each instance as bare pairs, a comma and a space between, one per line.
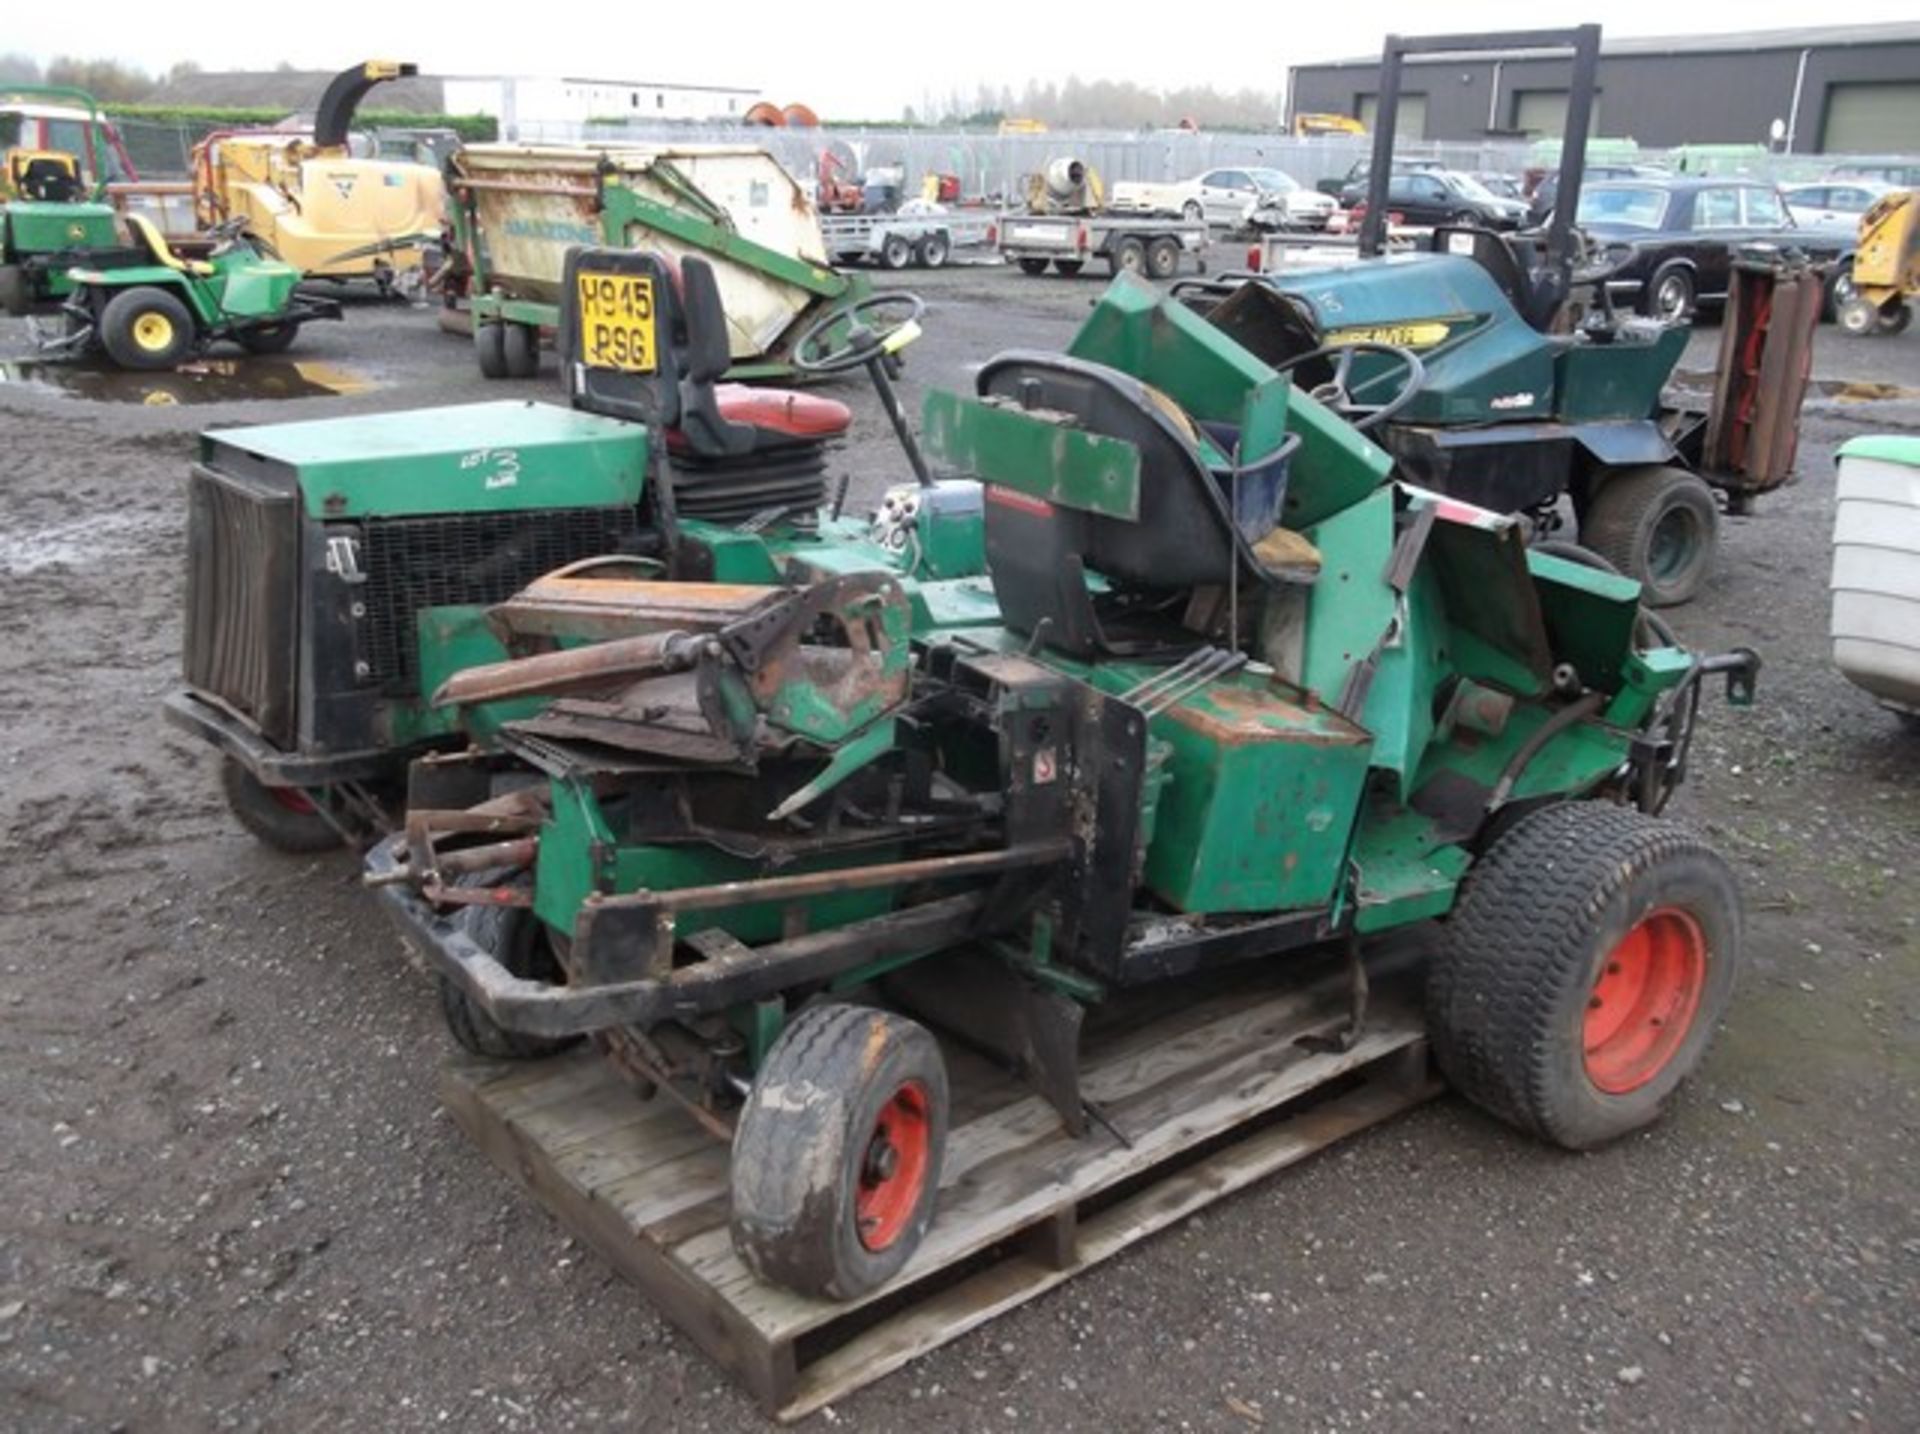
474, 458
34, 228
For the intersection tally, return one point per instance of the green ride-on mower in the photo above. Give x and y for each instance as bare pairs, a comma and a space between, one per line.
1229, 691
51, 216
1536, 388
341, 570
152, 304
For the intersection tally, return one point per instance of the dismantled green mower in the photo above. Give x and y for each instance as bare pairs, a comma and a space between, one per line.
752, 793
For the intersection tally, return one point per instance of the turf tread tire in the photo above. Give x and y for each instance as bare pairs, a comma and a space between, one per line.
1627, 506
793, 1159
124, 309
493, 929
272, 824
1517, 959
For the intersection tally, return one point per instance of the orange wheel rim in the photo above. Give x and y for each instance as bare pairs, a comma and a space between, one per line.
1643, 1002
291, 799
893, 1169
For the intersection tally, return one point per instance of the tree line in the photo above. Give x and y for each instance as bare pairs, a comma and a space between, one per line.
1075, 103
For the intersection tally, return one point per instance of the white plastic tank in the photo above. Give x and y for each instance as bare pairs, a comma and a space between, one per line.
1876, 569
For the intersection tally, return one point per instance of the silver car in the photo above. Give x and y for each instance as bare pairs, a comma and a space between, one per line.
1265, 198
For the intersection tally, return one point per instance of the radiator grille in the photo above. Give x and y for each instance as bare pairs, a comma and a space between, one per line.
411, 563
243, 549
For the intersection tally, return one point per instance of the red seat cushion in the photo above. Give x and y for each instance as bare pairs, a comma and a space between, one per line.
780, 410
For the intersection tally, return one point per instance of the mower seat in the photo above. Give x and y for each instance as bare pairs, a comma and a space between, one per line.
48, 176
1185, 537
147, 235
762, 419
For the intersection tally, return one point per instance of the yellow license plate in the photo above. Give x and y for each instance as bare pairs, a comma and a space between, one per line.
616, 322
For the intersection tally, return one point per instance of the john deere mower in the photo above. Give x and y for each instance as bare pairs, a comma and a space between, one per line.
154, 303
52, 216
741, 792
1536, 388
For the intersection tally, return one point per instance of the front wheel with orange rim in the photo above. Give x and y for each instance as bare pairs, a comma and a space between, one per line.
837, 1153
285, 818
1583, 971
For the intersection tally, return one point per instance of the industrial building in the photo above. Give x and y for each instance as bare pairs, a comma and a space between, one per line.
1840, 89
527, 103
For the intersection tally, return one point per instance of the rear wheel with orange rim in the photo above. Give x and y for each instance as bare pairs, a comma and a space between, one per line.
1583, 971
837, 1154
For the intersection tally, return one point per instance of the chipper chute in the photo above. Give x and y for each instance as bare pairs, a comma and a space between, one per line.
1237, 694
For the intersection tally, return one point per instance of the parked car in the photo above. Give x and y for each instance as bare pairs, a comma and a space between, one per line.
1446, 196
1833, 201
1351, 189
1507, 186
1540, 202
1898, 174
1227, 197
1669, 243
1283, 202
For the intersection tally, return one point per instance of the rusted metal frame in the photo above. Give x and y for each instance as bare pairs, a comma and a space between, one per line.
427, 866
572, 669
803, 887
1156, 958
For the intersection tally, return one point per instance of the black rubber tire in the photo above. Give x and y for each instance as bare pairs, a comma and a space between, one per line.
520, 941
932, 251
1129, 256
896, 251
1669, 293
270, 819
1163, 258
1067, 268
802, 1141
520, 350
1894, 319
1659, 526
1515, 967
490, 349
1193, 211
1857, 316
273, 339
15, 296
1032, 266
126, 309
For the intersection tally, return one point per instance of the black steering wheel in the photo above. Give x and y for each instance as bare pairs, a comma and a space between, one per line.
1338, 395
860, 342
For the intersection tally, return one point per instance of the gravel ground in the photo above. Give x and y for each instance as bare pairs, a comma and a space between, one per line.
228, 1197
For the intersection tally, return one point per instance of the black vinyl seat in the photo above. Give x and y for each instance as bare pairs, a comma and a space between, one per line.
1039, 554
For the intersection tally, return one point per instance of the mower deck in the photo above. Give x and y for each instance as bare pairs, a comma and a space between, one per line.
1190, 1102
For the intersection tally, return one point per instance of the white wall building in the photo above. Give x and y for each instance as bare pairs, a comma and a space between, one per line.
527, 104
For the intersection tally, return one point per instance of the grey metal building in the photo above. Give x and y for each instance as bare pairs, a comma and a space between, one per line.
1851, 89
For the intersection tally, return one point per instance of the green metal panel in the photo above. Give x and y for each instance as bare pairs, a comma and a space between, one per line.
1400, 702
1490, 364
1261, 792
473, 458
257, 289
1590, 616
1621, 379
580, 853
1405, 870
452, 639
1351, 605
34, 227
1046, 460
1571, 763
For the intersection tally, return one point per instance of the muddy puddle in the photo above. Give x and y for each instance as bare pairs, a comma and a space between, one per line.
77, 543
1841, 390
213, 380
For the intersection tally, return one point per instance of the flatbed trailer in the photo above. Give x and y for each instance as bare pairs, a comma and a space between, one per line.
1149, 244
895, 241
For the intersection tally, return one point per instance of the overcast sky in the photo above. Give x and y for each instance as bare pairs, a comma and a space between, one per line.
848, 60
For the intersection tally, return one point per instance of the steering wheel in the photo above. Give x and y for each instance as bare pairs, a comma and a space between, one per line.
1337, 394
860, 343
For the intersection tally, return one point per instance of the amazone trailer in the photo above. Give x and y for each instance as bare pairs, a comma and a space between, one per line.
517, 209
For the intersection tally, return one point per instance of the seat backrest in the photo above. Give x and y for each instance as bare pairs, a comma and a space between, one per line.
44, 175
1184, 535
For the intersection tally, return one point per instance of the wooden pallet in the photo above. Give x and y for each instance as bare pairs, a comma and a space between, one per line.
1210, 1097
